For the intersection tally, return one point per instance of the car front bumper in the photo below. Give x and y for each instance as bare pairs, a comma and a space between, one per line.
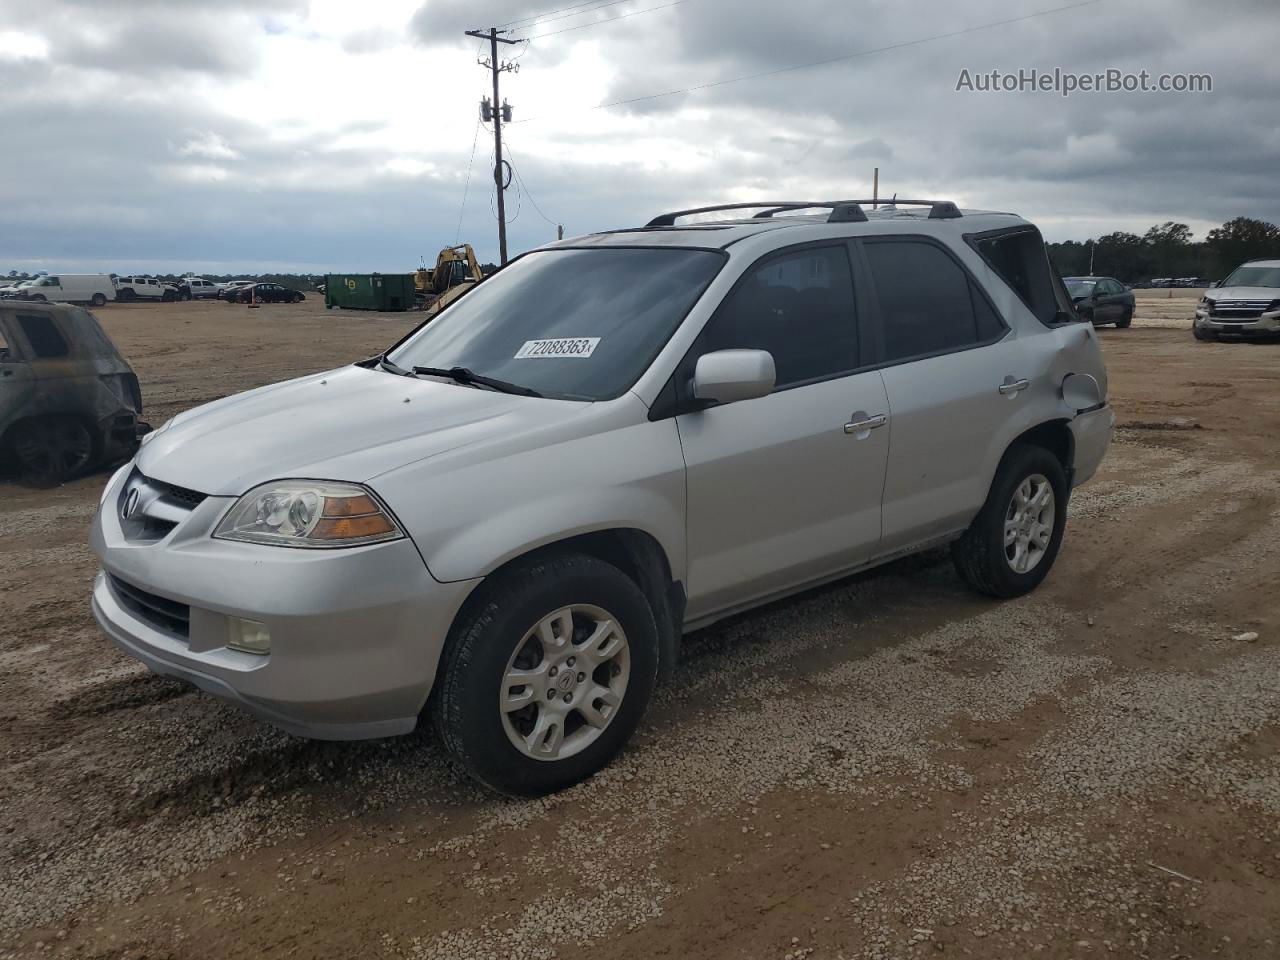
1267, 325
1092, 434
356, 634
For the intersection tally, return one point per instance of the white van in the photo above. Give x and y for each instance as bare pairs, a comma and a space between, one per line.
94, 288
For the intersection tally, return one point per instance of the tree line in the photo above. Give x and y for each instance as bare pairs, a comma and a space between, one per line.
1167, 250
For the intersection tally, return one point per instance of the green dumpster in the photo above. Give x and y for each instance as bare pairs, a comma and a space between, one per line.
369, 291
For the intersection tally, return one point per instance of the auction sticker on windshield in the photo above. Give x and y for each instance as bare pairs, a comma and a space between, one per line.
560, 347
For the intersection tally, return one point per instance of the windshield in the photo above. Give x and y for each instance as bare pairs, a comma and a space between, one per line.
1253, 277
570, 324
1080, 288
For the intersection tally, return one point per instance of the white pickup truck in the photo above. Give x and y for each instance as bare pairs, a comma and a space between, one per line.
92, 288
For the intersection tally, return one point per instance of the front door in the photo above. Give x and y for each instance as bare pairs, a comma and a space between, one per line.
785, 489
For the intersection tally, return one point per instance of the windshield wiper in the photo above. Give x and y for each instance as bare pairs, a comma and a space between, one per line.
390, 367
463, 375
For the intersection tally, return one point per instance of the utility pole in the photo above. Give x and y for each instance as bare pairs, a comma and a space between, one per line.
498, 114
875, 189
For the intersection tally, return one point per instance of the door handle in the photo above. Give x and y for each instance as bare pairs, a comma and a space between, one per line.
1012, 387
863, 424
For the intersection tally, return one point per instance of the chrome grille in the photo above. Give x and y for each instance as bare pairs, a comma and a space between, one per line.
1239, 310
149, 509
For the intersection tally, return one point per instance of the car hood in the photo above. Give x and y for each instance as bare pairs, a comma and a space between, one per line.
1243, 293
348, 424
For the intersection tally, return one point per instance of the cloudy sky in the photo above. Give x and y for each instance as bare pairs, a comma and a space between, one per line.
227, 135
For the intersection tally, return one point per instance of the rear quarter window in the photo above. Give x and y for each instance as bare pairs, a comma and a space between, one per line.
1019, 258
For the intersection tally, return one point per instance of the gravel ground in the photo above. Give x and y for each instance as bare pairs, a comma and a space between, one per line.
886, 767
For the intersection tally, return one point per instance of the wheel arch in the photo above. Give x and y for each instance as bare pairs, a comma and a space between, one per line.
1054, 436
640, 556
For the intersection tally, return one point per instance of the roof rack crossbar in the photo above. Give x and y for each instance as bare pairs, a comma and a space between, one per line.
842, 211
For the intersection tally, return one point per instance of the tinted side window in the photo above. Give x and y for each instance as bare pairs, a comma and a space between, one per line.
43, 336
799, 307
927, 302
4, 347
1020, 260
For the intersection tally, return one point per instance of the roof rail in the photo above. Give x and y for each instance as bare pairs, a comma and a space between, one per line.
842, 211
669, 219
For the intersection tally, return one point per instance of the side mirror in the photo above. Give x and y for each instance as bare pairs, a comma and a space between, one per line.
726, 376
1081, 391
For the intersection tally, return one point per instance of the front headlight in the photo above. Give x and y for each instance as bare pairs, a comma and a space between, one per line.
309, 513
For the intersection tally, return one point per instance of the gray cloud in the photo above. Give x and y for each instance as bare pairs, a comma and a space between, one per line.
121, 150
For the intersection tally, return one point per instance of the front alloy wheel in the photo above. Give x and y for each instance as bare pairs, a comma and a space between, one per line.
546, 673
565, 682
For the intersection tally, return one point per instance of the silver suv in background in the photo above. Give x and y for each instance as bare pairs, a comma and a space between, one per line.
1246, 305
507, 521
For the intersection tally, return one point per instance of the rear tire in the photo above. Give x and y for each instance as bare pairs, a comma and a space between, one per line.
1012, 543
541, 621
1126, 318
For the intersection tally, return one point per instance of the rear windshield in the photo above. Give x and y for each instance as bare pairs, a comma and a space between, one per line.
1080, 288
1253, 277
570, 324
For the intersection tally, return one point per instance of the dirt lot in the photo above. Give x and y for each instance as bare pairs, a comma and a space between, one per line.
887, 767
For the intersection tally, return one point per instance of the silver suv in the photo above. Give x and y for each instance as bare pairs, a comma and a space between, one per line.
1246, 305
507, 521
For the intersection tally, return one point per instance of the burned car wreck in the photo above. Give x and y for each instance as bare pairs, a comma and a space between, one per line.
68, 400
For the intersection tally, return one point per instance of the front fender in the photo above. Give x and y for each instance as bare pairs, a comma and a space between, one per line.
468, 519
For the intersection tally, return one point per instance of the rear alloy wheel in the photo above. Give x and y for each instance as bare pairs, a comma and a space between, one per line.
1012, 543
51, 450
546, 673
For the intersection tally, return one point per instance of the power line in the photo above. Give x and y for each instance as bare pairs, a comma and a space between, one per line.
466, 187
547, 13
525, 191
596, 23
829, 60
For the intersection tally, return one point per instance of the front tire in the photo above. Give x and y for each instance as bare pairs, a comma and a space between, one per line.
51, 450
546, 673
1126, 318
99, 300
1012, 543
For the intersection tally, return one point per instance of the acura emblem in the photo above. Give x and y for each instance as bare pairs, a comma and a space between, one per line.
130, 504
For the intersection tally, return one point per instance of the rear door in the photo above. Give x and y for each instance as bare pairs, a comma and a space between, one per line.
785, 489
954, 374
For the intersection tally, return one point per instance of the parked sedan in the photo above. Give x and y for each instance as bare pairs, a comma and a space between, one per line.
226, 290
1101, 300
264, 293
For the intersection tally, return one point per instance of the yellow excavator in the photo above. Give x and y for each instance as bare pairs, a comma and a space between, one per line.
456, 271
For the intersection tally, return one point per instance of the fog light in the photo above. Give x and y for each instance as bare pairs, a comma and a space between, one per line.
248, 636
